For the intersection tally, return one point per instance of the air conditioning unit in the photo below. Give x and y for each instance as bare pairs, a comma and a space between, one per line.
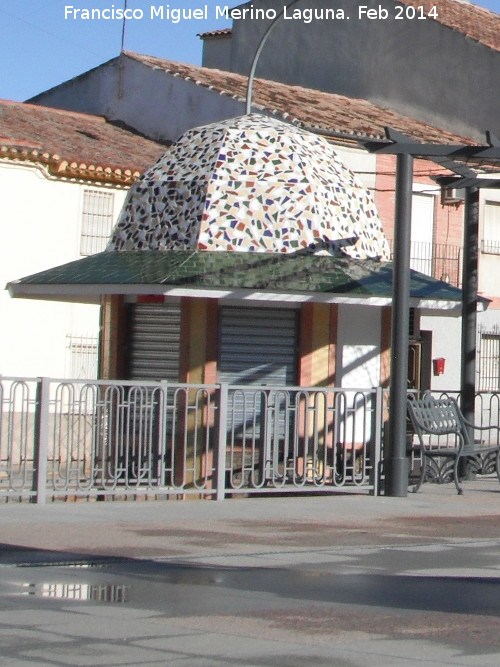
450, 195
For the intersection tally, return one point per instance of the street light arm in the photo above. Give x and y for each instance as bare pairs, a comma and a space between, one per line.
256, 57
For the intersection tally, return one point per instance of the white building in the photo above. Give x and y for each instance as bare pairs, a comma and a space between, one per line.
63, 179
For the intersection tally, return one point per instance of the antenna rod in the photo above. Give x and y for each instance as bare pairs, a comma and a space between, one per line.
124, 24
122, 45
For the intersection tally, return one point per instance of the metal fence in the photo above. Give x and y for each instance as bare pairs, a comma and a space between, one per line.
95, 439
62, 439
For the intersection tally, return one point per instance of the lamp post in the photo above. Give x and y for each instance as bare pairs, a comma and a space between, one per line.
260, 46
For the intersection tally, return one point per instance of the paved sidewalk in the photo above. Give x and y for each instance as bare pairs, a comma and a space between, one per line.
324, 580
194, 528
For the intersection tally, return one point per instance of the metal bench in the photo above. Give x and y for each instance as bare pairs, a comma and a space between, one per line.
443, 432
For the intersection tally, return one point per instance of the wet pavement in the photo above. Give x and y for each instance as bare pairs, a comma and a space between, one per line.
343, 580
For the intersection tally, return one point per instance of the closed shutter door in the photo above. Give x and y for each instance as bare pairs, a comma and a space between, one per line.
154, 342
258, 346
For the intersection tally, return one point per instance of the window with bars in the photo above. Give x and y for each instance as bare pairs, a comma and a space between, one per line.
81, 358
491, 228
489, 360
97, 221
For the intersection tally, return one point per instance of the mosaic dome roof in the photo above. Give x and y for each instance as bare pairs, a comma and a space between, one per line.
251, 183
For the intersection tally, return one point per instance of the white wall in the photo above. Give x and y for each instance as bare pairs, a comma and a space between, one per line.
446, 343
489, 264
358, 361
358, 347
40, 227
361, 162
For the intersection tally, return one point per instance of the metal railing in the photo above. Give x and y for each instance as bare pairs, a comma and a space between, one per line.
486, 414
62, 439
439, 260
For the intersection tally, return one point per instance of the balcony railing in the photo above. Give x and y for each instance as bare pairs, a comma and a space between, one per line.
439, 260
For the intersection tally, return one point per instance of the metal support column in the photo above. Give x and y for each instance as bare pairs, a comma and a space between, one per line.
396, 460
469, 301
41, 440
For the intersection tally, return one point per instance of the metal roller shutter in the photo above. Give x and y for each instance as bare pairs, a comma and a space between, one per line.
258, 346
154, 341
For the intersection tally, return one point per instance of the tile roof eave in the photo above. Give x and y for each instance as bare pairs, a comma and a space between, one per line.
93, 294
223, 32
61, 168
74, 144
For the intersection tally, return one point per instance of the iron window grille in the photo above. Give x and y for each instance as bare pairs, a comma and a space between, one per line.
97, 221
490, 243
489, 359
82, 353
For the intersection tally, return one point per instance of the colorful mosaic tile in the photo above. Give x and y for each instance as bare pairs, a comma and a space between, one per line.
251, 184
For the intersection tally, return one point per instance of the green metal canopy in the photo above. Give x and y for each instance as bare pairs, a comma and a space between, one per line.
263, 276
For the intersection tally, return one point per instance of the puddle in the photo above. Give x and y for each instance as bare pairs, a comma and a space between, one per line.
95, 593
84, 564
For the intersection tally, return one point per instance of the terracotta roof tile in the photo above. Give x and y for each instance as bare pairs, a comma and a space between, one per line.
475, 22
65, 139
215, 33
333, 112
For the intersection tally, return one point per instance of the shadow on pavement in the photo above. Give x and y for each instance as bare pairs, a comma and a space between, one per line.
152, 581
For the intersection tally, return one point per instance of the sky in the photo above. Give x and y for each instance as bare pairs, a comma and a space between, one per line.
46, 42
